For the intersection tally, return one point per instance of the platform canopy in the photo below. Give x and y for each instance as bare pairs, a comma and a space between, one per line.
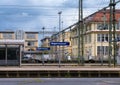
12, 42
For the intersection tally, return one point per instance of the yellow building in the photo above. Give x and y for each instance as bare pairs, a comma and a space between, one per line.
74, 41
66, 37
96, 35
31, 40
62, 51
7, 35
10, 48
45, 42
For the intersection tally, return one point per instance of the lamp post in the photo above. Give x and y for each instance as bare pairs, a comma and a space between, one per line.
59, 13
43, 51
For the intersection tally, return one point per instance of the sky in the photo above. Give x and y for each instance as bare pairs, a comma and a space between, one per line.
33, 15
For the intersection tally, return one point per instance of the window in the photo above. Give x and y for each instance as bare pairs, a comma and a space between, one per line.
31, 43
102, 50
99, 37
117, 25
30, 36
7, 35
89, 38
102, 26
102, 37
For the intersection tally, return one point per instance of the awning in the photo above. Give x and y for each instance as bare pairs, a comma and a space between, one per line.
11, 42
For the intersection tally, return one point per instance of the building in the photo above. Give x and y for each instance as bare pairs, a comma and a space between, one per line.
96, 35
45, 42
10, 48
31, 40
62, 51
19, 35
74, 41
7, 35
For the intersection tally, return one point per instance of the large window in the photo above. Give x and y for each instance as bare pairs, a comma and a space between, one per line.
30, 36
7, 36
102, 37
12, 54
102, 50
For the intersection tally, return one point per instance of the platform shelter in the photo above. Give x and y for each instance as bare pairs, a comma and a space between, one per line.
11, 52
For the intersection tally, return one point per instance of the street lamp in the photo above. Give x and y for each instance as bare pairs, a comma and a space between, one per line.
43, 51
59, 13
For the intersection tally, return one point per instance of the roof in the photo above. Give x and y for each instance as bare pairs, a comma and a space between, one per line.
31, 32
11, 42
7, 32
98, 16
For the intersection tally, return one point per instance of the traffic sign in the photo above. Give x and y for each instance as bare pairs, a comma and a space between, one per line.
59, 43
43, 48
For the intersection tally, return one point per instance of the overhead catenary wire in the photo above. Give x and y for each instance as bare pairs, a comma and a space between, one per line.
86, 17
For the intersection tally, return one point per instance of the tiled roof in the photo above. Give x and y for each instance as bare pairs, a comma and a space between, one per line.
98, 16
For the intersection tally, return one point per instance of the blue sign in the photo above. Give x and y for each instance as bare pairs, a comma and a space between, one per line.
43, 48
116, 40
59, 43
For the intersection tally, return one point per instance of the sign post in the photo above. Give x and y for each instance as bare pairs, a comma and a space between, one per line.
43, 49
59, 44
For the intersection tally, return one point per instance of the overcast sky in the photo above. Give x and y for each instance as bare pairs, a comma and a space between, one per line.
35, 14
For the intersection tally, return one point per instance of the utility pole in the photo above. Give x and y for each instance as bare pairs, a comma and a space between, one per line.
63, 39
103, 28
43, 51
112, 26
110, 34
80, 34
59, 36
114, 33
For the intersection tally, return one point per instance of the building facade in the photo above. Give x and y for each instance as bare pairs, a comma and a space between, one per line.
62, 51
30, 38
10, 48
96, 35
45, 42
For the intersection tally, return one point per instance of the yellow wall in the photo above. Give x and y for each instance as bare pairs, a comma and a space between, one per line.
35, 40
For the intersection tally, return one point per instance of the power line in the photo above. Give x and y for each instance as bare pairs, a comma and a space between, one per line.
36, 6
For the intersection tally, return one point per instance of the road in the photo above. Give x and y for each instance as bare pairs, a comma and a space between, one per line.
60, 81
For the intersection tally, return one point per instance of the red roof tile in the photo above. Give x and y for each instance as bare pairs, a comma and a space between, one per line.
97, 17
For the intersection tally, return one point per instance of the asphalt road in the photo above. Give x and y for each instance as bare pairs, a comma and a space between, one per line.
60, 81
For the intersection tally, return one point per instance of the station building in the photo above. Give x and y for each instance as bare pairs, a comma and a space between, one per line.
13, 44
96, 35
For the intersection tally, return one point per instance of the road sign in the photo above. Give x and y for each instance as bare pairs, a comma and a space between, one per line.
59, 43
43, 48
